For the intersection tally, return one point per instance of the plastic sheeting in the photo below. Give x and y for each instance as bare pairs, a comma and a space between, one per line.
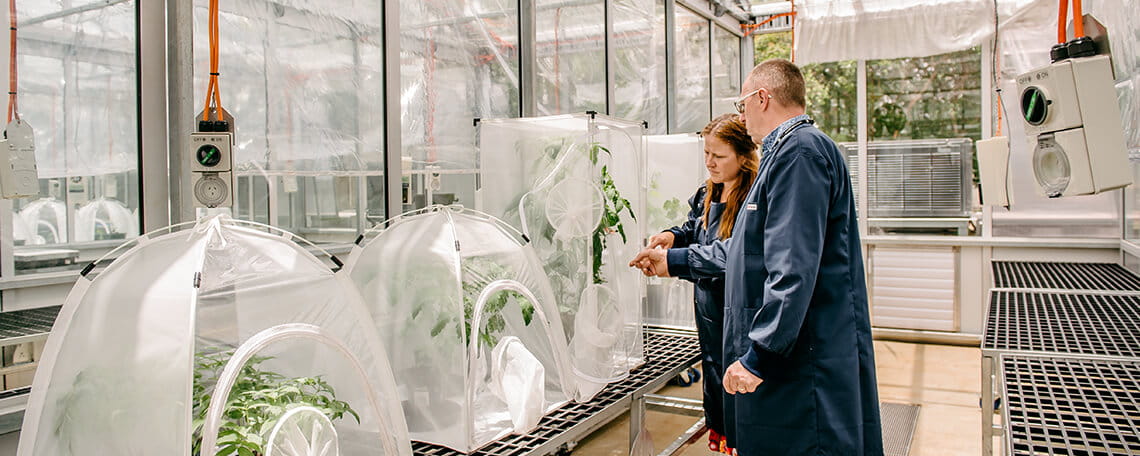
77, 85
676, 170
693, 84
448, 289
725, 71
835, 30
639, 58
538, 174
570, 47
302, 79
45, 222
137, 345
459, 60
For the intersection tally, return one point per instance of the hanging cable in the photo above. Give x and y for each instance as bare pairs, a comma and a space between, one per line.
213, 90
13, 106
1061, 20
1078, 20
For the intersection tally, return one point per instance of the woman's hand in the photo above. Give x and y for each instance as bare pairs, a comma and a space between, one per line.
663, 239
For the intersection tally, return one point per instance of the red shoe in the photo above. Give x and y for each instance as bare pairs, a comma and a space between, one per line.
716, 441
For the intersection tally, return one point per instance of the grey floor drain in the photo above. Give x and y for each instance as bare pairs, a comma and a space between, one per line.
898, 427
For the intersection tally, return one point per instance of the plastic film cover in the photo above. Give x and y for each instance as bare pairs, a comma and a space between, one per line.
297, 76
459, 60
570, 51
726, 71
144, 330
77, 85
693, 86
639, 62
554, 177
445, 306
676, 171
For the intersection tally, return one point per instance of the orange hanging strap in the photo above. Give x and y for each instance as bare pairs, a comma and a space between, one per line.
13, 75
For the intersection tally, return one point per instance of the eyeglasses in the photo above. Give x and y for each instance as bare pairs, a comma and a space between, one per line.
739, 103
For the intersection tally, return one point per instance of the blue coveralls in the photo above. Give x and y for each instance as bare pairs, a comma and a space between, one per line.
796, 305
708, 303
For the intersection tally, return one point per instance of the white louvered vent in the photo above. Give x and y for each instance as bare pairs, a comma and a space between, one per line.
914, 288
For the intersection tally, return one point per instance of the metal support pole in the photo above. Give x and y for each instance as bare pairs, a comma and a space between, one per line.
636, 417
670, 66
987, 405
393, 149
608, 7
862, 137
180, 98
153, 139
528, 105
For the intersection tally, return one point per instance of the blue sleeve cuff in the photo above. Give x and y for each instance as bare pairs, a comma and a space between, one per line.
751, 362
678, 235
678, 260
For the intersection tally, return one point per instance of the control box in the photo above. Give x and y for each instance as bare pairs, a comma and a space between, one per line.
211, 169
1073, 124
18, 175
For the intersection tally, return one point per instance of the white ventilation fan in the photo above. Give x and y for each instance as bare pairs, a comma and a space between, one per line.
303, 431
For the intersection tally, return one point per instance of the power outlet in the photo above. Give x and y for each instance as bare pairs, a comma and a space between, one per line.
211, 167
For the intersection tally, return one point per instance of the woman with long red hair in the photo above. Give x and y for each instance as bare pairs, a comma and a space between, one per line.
732, 163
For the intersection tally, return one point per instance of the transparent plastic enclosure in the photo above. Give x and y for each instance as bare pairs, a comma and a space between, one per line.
475, 340
574, 184
140, 349
675, 169
45, 222
105, 219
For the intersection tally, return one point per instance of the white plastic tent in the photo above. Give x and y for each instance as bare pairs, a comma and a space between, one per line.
575, 186
139, 348
474, 337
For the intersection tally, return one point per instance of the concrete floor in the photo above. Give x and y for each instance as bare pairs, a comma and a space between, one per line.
944, 380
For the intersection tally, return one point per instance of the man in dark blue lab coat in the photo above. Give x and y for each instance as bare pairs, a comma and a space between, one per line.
797, 336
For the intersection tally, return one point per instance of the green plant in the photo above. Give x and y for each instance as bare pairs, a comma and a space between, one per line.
614, 204
477, 274
258, 398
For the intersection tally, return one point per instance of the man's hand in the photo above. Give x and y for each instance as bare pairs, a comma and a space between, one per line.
737, 379
652, 262
663, 239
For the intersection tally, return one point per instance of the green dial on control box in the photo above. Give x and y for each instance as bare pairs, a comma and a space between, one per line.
209, 155
1034, 106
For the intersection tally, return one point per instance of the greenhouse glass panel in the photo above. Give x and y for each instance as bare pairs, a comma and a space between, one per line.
459, 60
304, 83
923, 116
725, 71
77, 89
570, 53
676, 171
160, 324
691, 52
639, 62
574, 184
477, 343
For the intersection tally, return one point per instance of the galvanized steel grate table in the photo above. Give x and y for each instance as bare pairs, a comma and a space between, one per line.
1071, 406
666, 356
1064, 276
1070, 309
22, 325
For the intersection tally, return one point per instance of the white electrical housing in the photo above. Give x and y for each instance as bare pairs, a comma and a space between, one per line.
1073, 124
18, 176
211, 169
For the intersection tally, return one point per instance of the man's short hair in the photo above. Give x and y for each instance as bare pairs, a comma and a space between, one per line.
783, 79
